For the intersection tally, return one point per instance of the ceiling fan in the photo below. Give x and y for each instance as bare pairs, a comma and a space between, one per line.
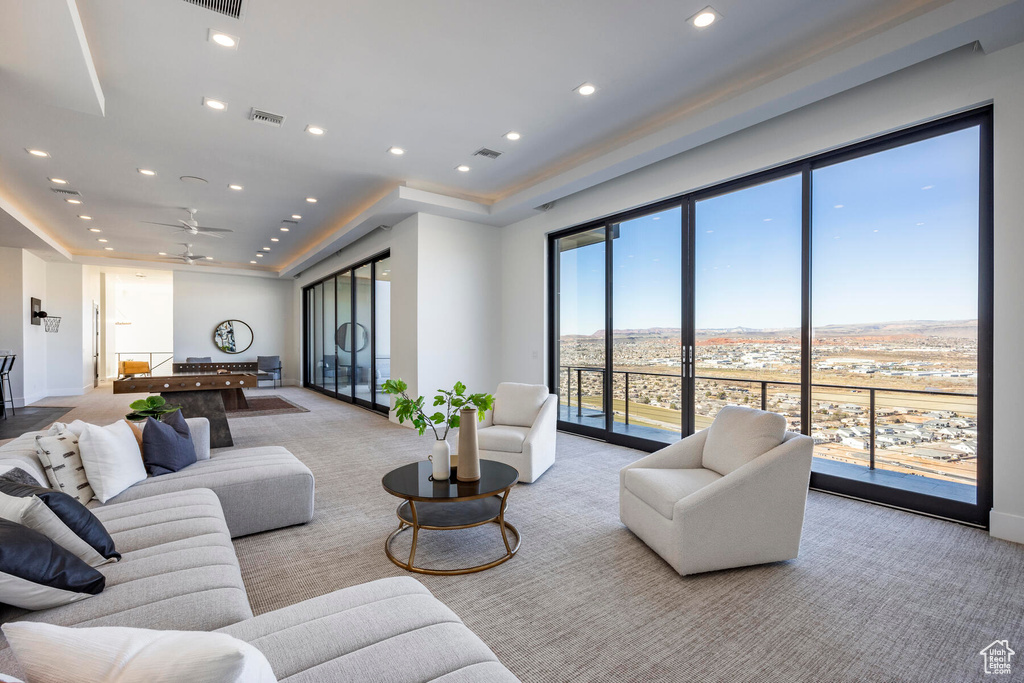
187, 257
192, 227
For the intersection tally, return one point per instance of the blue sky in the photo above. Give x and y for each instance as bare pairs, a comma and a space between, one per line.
895, 237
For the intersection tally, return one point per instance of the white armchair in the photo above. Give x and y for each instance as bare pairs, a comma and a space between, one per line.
731, 495
520, 430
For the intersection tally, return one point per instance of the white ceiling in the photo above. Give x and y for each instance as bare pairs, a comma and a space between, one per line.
440, 79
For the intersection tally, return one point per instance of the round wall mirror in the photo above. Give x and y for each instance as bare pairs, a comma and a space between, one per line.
343, 337
232, 336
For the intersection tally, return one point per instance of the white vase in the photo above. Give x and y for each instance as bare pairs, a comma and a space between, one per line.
469, 448
440, 459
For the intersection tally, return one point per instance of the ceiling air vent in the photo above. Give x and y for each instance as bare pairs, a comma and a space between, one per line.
66, 193
290, 222
266, 118
489, 153
231, 8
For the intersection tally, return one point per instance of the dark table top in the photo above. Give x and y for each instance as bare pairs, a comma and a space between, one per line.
413, 482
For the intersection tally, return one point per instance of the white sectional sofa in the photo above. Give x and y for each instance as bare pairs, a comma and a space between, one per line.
179, 571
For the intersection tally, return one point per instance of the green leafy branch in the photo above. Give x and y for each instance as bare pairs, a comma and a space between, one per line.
448, 402
151, 406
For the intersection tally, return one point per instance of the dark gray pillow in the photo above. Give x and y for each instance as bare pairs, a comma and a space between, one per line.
167, 445
16, 475
36, 573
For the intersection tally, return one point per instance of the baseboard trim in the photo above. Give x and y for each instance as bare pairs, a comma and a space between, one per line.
1006, 526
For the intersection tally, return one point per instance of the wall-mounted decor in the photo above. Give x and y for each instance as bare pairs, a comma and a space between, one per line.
52, 321
37, 308
344, 337
232, 336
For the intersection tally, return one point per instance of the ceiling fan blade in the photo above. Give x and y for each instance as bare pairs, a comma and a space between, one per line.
203, 227
169, 225
209, 234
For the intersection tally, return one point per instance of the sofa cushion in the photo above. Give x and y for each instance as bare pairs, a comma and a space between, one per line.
16, 475
112, 459
167, 445
259, 488
134, 655
178, 570
662, 489
21, 452
386, 630
518, 404
36, 573
60, 518
738, 435
503, 438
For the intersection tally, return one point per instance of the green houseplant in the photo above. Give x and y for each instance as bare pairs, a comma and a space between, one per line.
450, 405
151, 406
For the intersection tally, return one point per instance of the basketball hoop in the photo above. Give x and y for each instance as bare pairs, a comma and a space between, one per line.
52, 323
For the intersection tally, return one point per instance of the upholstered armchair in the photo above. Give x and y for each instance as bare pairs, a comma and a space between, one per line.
731, 495
268, 369
520, 430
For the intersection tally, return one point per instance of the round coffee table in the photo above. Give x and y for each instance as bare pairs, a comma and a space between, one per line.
450, 504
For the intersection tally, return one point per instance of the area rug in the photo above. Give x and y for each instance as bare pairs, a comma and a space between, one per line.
30, 419
267, 405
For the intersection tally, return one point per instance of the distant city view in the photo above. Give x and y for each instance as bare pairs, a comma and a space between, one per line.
923, 374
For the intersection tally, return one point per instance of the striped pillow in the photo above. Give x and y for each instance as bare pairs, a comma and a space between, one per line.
62, 463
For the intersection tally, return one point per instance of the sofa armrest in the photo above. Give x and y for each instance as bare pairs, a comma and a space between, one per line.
200, 429
685, 454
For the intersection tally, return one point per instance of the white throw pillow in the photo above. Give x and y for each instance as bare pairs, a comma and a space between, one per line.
112, 459
56, 654
61, 458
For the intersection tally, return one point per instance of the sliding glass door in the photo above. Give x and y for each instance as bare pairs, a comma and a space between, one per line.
850, 292
348, 334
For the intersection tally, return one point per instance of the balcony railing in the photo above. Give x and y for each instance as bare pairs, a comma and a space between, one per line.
764, 384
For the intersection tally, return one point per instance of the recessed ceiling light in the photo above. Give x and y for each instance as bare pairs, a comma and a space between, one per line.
704, 18
462, 168
215, 104
58, 181
37, 152
315, 130
311, 200
223, 39
266, 248
161, 253
109, 248
85, 218
73, 201
95, 230
235, 187
209, 258
274, 239
297, 217
586, 89
259, 255
512, 135
102, 240
397, 151
146, 171
252, 262
284, 229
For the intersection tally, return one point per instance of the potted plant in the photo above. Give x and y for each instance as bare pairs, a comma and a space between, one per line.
151, 406
451, 405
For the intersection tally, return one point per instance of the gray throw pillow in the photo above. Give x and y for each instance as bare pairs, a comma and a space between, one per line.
16, 475
167, 445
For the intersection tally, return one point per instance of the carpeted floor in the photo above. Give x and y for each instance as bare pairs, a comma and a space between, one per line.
876, 594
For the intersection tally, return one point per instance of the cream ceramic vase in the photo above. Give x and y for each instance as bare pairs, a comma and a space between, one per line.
469, 448
440, 460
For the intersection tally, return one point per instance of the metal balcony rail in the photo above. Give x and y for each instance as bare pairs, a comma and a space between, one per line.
149, 354
764, 384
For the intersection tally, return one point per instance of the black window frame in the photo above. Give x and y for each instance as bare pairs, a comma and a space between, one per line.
976, 514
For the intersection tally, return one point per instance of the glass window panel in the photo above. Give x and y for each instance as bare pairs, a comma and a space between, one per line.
581, 327
895, 306
382, 328
318, 334
747, 300
647, 361
343, 333
361, 331
330, 357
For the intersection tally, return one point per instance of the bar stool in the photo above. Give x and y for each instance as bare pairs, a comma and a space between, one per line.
6, 365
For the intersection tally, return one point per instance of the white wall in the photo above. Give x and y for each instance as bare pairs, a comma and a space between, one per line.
946, 84
12, 309
64, 370
34, 358
204, 300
